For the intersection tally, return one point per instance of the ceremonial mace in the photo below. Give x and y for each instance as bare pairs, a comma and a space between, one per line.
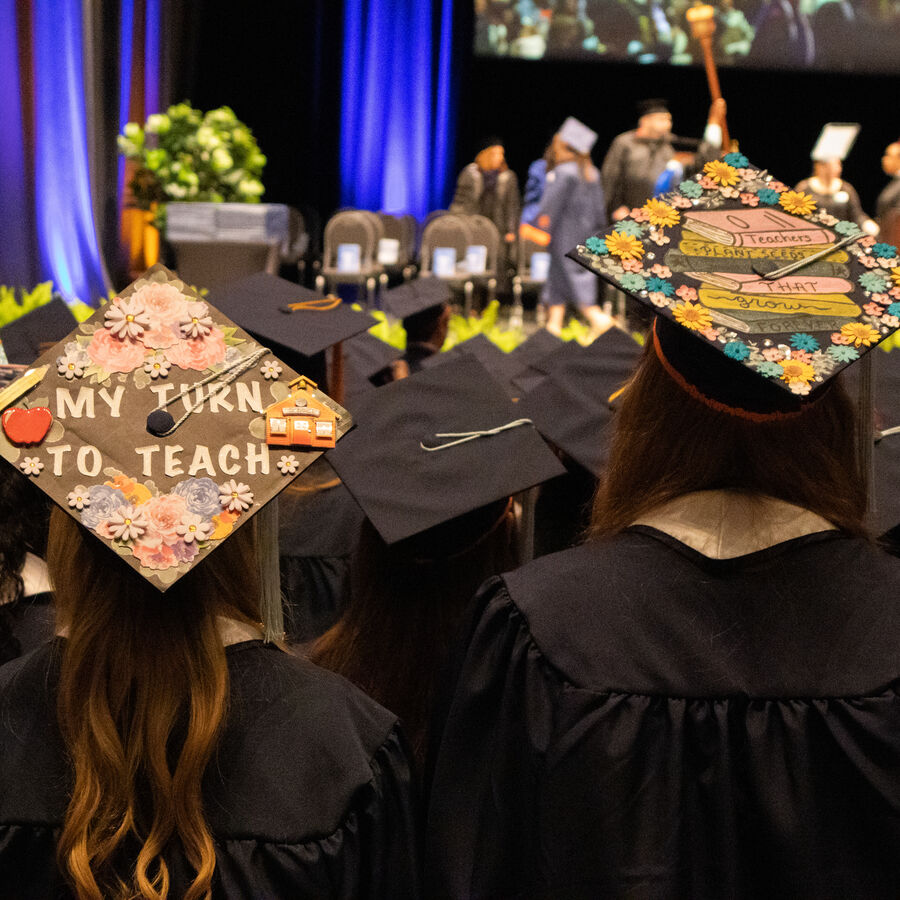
703, 26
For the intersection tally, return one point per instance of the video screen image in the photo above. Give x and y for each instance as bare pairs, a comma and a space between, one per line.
823, 35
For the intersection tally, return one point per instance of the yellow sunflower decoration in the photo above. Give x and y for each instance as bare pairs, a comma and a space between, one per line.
721, 173
796, 370
797, 202
625, 246
693, 316
661, 214
895, 276
860, 334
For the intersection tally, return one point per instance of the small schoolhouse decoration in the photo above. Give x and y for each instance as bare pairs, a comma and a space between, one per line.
301, 419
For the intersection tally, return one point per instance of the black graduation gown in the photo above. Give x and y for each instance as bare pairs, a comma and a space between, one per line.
308, 794
633, 719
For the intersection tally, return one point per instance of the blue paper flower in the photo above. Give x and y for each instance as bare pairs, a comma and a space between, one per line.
629, 226
843, 353
770, 369
884, 251
690, 188
737, 350
738, 160
873, 281
893, 309
801, 341
660, 284
767, 196
105, 500
201, 496
631, 281
846, 228
596, 245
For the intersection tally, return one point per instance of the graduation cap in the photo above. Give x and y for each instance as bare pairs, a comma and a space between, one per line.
416, 296
532, 358
289, 318
437, 445
835, 140
499, 364
577, 135
572, 405
157, 425
23, 338
761, 280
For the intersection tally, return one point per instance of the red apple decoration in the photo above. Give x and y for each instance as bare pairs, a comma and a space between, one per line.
27, 426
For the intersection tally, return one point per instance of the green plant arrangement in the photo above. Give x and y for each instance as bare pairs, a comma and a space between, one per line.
186, 154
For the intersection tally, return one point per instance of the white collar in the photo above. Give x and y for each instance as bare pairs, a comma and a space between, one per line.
725, 524
35, 577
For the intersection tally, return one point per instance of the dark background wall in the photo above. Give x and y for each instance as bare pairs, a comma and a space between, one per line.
278, 65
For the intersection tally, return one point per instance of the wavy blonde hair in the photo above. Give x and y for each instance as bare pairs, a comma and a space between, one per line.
142, 698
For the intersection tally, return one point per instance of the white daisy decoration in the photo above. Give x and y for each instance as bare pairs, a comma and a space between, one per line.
235, 496
193, 528
79, 498
72, 364
127, 523
31, 465
288, 464
199, 323
157, 366
271, 370
126, 319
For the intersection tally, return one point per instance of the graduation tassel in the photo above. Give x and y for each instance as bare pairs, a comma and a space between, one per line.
270, 602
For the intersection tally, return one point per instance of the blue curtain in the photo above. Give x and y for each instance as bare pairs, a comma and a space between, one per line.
397, 113
69, 252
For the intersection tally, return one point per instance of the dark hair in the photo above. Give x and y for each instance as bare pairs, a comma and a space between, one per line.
407, 602
666, 444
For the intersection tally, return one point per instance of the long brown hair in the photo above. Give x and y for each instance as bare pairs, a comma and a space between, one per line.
666, 444
142, 698
406, 604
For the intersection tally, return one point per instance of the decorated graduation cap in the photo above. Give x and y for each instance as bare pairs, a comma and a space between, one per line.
759, 276
162, 427
287, 317
437, 445
572, 404
835, 141
577, 135
416, 296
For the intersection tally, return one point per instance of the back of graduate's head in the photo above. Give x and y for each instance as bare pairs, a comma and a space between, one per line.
733, 432
142, 698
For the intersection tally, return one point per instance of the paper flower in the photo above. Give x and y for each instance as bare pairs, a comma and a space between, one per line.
659, 238
235, 496
72, 364
767, 196
749, 199
193, 528
736, 350
797, 202
661, 270
639, 214
797, 370
838, 338
78, 498
801, 341
801, 355
828, 219
114, 355
799, 387
31, 465
721, 173
707, 183
893, 309
661, 214
680, 202
888, 251
692, 316
873, 309
126, 319
660, 285
165, 513
658, 298
738, 160
843, 354
596, 245
860, 334
625, 246
770, 369
127, 523
690, 189
773, 354
868, 261
686, 292
632, 265
198, 353
847, 228
104, 501
628, 226
157, 366
288, 464
873, 281
197, 323
730, 192
201, 496
632, 282
271, 370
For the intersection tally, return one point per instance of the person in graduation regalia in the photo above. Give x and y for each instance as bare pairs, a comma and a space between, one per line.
164, 744
701, 700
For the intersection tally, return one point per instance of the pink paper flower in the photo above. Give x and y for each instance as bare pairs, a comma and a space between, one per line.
890, 321
867, 241
153, 553
686, 292
873, 309
711, 334
640, 215
838, 338
661, 270
867, 261
799, 387
773, 354
114, 355
632, 265
729, 192
658, 298
165, 307
680, 202
198, 353
749, 199
164, 514
801, 356
883, 299
708, 184
778, 186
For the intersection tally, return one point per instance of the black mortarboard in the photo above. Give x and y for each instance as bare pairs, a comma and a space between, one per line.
755, 271
416, 296
528, 358
571, 406
22, 338
652, 105
501, 366
156, 424
261, 304
367, 354
405, 489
